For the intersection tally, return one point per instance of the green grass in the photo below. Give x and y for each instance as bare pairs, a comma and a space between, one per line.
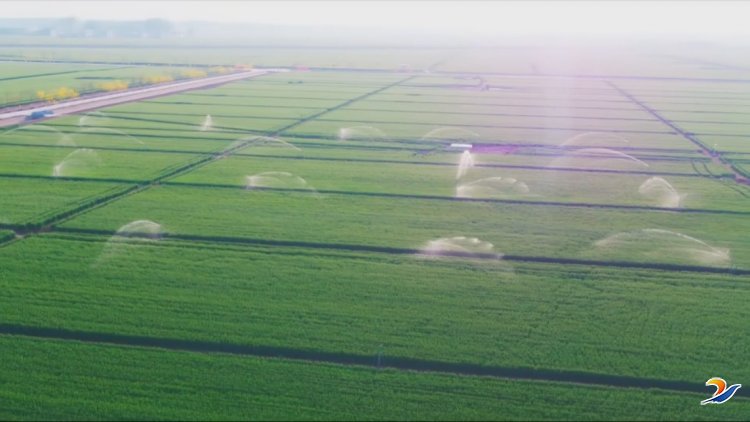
129, 383
642, 323
408, 223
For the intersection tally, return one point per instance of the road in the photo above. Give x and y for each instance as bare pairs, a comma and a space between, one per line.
108, 100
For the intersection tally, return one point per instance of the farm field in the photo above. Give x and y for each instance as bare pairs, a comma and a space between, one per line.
409, 222
221, 387
267, 298
344, 58
32, 200
22, 81
422, 179
89, 163
582, 255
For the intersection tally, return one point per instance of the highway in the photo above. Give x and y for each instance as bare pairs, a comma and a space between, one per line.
90, 103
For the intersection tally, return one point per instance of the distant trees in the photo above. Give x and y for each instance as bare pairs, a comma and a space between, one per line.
65, 93
158, 79
219, 70
69, 25
113, 86
157, 27
194, 73
74, 27
60, 94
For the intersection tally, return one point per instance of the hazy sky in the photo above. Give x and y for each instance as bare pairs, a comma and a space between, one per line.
710, 18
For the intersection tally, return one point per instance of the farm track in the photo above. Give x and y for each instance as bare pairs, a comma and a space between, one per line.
717, 158
98, 100
398, 363
406, 251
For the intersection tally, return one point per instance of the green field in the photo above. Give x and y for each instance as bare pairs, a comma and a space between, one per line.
494, 314
21, 81
225, 387
89, 163
420, 178
580, 248
34, 200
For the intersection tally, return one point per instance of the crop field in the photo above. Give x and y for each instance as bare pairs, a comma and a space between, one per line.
310, 245
22, 81
216, 386
31, 200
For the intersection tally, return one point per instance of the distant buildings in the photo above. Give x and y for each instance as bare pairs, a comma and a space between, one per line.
74, 28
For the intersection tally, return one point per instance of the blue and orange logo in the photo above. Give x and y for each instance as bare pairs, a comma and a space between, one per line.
722, 393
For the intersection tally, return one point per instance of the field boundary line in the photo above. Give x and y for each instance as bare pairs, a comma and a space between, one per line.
511, 166
451, 198
409, 251
279, 131
349, 359
401, 111
199, 160
41, 75
353, 70
354, 160
716, 156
